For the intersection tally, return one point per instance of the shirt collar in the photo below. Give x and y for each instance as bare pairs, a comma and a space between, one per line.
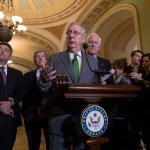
5, 68
38, 70
78, 54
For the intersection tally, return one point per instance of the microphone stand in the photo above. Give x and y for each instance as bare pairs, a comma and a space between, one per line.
97, 72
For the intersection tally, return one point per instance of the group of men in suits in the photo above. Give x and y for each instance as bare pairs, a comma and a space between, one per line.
62, 126
14, 88
64, 116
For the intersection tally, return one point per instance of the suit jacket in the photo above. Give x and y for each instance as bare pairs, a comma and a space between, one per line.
104, 65
129, 69
32, 96
61, 118
13, 89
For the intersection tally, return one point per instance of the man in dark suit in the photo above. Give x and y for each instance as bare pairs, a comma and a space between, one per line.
94, 43
31, 101
64, 117
135, 65
10, 97
135, 68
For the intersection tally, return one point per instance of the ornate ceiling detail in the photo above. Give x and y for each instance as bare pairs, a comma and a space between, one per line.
74, 7
47, 47
97, 12
23, 62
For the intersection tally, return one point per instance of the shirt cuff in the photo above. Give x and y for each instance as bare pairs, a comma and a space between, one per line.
11, 101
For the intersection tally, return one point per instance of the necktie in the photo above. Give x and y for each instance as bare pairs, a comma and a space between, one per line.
75, 65
3, 75
38, 72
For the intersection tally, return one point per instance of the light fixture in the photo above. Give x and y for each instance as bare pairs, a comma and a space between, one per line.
9, 24
9, 62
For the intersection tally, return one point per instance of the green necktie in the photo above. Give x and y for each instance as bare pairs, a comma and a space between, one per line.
75, 65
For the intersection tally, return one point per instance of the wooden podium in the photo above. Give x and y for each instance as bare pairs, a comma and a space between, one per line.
92, 94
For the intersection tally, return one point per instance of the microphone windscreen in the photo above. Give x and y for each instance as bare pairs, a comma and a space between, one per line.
112, 71
107, 76
85, 46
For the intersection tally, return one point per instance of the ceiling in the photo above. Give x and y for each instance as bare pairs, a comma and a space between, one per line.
47, 21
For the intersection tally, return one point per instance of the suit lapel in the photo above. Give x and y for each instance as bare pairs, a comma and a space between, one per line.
35, 80
65, 58
9, 81
84, 68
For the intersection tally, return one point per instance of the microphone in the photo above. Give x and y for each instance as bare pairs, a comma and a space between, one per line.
107, 76
85, 46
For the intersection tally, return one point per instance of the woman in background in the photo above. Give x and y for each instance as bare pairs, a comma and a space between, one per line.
120, 76
124, 139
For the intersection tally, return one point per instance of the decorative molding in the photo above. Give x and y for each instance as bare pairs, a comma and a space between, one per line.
23, 62
47, 47
97, 12
59, 16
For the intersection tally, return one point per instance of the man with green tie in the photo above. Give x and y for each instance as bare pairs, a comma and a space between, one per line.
64, 116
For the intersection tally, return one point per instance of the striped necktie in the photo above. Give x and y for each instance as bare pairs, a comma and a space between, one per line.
75, 65
3, 75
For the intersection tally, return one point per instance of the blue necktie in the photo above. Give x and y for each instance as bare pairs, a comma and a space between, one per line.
75, 65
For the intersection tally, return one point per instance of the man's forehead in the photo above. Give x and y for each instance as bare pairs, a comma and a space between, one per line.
138, 54
4, 46
93, 38
40, 53
75, 26
146, 58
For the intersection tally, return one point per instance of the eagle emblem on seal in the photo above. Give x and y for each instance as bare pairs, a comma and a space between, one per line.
94, 121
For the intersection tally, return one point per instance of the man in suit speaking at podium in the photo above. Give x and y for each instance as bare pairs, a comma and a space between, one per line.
64, 116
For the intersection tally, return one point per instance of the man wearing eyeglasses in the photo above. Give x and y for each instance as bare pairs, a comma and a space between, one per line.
10, 97
64, 116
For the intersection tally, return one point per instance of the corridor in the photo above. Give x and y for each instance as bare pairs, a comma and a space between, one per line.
21, 140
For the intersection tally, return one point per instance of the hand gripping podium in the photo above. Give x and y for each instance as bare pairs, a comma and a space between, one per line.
94, 93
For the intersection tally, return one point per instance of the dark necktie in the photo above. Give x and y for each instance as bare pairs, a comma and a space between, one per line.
3, 75
75, 65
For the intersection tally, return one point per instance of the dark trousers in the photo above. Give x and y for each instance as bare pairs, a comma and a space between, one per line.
34, 131
57, 142
8, 131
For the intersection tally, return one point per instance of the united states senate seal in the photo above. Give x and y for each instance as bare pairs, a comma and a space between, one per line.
94, 120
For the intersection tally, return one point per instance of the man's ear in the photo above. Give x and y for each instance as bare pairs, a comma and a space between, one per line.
83, 41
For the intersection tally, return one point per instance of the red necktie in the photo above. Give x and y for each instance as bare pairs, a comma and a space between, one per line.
3, 75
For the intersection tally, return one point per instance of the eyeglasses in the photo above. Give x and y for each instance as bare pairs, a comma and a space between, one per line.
4, 50
75, 33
